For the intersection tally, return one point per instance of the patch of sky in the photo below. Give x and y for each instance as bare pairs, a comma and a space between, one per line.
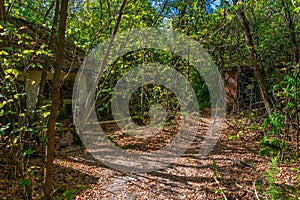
167, 8
212, 5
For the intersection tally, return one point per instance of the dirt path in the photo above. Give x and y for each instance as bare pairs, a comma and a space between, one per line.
188, 178
78, 175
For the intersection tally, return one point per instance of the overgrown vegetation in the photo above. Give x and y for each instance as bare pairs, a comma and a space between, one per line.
261, 36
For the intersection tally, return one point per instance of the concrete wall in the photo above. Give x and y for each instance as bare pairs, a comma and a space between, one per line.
32, 80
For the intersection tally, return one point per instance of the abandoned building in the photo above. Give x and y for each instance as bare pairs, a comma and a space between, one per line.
241, 87
31, 76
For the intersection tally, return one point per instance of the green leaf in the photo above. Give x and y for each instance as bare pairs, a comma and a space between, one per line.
215, 168
297, 9
232, 137
39, 52
28, 152
273, 141
16, 96
290, 105
27, 51
230, 17
24, 182
69, 194
39, 65
12, 71
3, 53
46, 114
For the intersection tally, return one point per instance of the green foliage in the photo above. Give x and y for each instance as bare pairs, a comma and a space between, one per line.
23, 137
279, 125
272, 146
217, 178
92, 22
148, 94
270, 175
69, 194
24, 182
215, 168
273, 189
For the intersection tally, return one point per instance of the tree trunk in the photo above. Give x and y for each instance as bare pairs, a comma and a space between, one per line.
291, 27
90, 96
55, 100
48, 61
3, 19
2, 11
255, 63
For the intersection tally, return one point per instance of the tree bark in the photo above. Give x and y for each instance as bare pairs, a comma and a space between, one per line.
47, 60
55, 99
2, 11
255, 63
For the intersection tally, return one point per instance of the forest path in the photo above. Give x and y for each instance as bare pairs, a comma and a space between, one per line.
189, 178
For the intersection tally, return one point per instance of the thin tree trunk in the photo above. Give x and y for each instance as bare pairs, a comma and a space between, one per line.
103, 63
2, 11
291, 27
48, 61
255, 63
182, 14
55, 100
2, 18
